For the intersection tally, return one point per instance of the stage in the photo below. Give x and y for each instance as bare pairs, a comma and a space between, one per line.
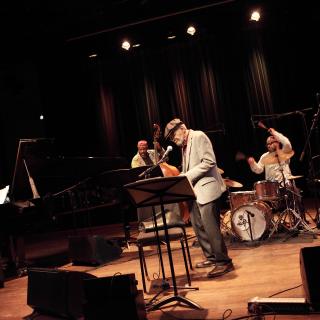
263, 269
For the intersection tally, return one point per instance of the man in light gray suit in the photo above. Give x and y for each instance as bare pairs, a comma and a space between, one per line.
200, 167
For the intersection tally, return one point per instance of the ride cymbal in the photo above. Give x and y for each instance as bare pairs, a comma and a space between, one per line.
278, 156
232, 183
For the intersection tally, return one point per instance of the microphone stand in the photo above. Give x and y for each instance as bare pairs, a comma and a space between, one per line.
146, 173
249, 221
278, 115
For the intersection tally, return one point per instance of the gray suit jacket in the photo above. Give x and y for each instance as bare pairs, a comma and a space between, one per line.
199, 165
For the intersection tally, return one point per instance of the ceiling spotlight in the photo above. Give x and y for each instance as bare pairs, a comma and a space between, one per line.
93, 55
191, 30
255, 16
171, 35
126, 45
136, 45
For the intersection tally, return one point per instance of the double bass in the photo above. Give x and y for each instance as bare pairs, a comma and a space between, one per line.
169, 171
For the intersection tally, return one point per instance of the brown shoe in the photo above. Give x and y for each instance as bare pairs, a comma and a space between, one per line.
220, 270
205, 264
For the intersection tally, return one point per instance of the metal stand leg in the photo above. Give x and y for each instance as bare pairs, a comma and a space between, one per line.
176, 297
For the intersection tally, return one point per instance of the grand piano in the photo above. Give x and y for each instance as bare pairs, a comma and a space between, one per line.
50, 191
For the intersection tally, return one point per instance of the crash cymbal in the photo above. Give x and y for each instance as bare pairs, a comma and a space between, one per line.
275, 157
220, 170
294, 177
232, 183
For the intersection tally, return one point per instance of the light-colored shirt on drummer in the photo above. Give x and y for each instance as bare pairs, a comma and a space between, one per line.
273, 171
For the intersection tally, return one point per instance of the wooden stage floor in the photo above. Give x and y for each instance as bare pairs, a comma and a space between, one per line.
263, 268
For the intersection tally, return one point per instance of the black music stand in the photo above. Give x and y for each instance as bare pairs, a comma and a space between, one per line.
161, 191
117, 179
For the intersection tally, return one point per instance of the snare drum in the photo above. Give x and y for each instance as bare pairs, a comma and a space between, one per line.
267, 190
251, 221
240, 198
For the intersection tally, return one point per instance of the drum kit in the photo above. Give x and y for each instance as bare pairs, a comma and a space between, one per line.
255, 215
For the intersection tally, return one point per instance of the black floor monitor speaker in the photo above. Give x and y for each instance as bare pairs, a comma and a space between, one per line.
92, 250
57, 292
117, 295
310, 274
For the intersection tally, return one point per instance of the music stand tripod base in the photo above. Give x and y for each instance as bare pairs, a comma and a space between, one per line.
161, 191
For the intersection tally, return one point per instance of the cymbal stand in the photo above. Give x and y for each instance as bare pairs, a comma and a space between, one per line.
287, 211
290, 218
224, 225
299, 225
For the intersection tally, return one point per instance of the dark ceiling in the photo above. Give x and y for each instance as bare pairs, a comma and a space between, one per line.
37, 22
74, 18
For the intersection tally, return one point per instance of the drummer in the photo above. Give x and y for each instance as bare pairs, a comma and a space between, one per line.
276, 164
276, 167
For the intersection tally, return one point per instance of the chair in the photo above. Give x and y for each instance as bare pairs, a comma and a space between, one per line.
147, 236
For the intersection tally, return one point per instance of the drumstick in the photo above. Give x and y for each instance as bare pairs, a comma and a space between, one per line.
261, 125
240, 156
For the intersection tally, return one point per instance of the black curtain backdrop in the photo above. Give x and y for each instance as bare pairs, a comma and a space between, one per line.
214, 81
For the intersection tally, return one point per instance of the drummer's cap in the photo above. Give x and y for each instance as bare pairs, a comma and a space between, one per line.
171, 127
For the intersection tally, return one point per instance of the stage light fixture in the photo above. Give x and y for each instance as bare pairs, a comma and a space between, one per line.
171, 36
191, 30
136, 45
126, 45
93, 55
255, 15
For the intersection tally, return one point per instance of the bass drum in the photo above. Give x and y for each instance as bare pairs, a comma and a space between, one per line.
251, 221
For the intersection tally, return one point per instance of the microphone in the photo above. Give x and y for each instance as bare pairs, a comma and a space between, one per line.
169, 148
144, 173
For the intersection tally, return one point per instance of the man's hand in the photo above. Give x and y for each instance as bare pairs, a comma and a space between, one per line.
251, 161
271, 131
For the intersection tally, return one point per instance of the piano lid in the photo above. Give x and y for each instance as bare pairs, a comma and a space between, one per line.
52, 172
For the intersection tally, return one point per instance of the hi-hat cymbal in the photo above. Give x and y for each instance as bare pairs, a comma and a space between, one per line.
220, 170
275, 157
232, 183
293, 177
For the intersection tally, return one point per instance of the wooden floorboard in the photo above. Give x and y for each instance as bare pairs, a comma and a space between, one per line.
262, 268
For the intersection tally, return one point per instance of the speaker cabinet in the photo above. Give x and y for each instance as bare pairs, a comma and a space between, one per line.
310, 274
56, 292
92, 250
117, 295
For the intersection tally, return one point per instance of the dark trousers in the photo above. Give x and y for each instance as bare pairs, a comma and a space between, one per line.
205, 220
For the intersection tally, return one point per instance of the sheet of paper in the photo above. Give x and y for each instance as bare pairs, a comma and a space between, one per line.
3, 194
